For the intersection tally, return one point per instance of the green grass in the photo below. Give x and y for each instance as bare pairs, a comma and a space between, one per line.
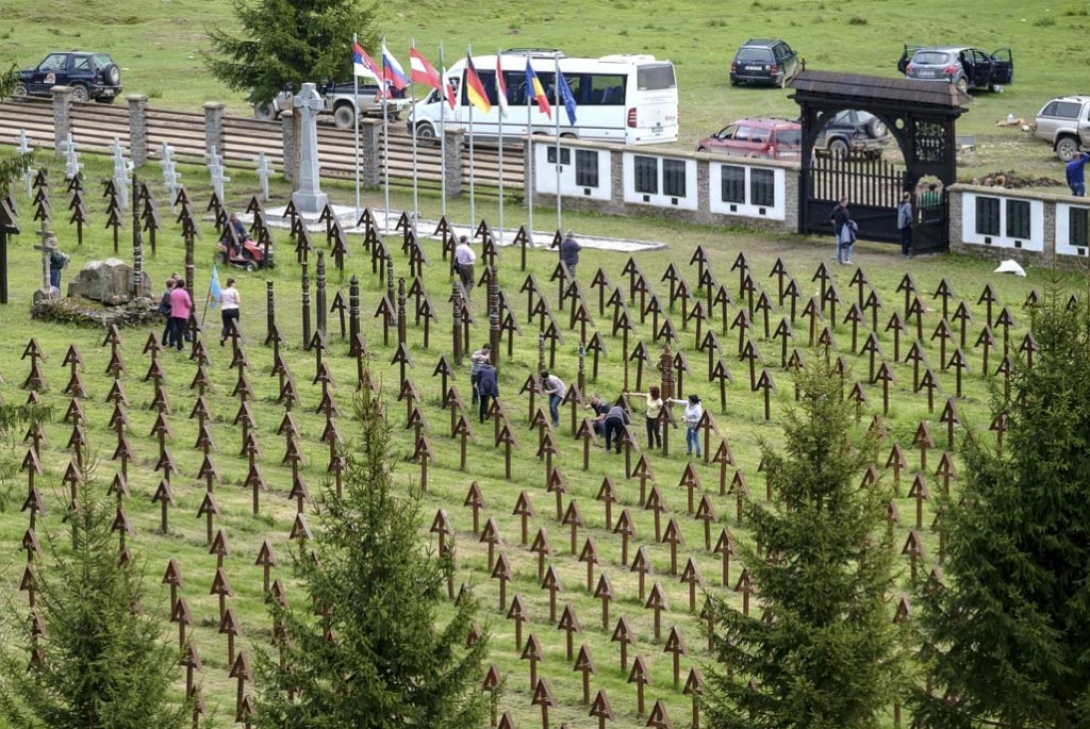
158, 46
742, 423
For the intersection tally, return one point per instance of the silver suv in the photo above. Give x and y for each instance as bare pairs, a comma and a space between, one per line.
1065, 124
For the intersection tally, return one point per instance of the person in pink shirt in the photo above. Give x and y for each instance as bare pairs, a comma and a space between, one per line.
181, 306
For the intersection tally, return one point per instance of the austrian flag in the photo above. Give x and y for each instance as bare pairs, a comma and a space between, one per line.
423, 72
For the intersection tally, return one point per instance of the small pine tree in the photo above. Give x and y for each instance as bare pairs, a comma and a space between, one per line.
288, 42
378, 656
1006, 639
102, 662
819, 650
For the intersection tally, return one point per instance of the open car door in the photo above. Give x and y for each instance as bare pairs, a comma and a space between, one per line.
906, 57
1002, 67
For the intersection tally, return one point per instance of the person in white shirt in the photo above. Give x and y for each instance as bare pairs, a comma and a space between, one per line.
229, 303
694, 411
654, 412
464, 260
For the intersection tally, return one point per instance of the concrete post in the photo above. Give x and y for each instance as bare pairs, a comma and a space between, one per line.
213, 127
62, 118
287, 128
454, 140
370, 153
138, 129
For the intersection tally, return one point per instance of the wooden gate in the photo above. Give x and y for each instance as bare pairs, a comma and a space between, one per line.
873, 188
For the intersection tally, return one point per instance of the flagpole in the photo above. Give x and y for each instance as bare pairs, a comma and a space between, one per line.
412, 94
472, 187
499, 90
559, 224
355, 105
442, 126
385, 135
530, 163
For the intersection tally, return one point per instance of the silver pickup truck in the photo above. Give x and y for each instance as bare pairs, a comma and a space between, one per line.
339, 102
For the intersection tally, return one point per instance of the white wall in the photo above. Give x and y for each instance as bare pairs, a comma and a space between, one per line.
545, 173
1063, 231
777, 211
688, 202
970, 236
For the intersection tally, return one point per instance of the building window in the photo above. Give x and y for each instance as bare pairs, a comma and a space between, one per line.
586, 168
762, 187
987, 216
1077, 227
673, 177
1018, 219
647, 175
565, 155
733, 184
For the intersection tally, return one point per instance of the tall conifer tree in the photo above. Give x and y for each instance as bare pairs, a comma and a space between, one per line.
378, 655
819, 649
1007, 636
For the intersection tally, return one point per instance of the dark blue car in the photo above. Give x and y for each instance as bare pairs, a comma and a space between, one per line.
89, 75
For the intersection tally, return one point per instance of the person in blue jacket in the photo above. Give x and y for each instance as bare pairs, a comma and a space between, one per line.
487, 386
1076, 174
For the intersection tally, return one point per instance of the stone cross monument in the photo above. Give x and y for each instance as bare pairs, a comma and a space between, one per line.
309, 198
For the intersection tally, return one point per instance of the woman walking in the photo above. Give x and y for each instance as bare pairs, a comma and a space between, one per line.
654, 415
181, 306
229, 303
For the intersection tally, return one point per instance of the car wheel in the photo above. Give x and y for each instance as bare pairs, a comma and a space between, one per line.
79, 93
876, 128
839, 149
264, 111
20, 90
962, 84
251, 266
112, 74
344, 116
425, 131
1067, 148
733, 82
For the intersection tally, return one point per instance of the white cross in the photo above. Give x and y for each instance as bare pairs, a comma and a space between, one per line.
264, 169
23, 147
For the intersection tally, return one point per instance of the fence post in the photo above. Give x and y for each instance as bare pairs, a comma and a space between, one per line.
370, 153
213, 127
138, 129
62, 118
287, 128
454, 151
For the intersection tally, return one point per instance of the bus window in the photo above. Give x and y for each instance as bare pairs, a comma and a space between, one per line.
655, 78
605, 90
488, 81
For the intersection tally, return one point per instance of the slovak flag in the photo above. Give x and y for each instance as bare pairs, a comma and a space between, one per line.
501, 87
392, 70
362, 65
422, 71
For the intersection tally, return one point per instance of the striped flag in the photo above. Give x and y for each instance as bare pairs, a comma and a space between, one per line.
448, 90
392, 70
475, 89
423, 72
362, 65
533, 86
501, 87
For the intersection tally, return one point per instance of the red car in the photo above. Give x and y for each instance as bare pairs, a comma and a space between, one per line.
762, 138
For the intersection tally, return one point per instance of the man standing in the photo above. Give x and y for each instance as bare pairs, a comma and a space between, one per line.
464, 260
487, 387
841, 222
555, 388
904, 222
569, 251
57, 262
1076, 171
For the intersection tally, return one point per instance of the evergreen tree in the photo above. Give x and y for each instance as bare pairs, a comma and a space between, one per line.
11, 163
102, 662
377, 656
820, 650
1006, 640
289, 42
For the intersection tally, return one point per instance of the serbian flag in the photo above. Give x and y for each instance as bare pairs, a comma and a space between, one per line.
392, 70
501, 87
422, 71
534, 86
475, 89
362, 65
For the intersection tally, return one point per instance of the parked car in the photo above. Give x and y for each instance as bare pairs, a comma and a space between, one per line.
965, 67
338, 102
1065, 124
853, 133
89, 75
765, 62
763, 138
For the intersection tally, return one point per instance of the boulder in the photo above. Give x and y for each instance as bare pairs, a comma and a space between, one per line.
109, 282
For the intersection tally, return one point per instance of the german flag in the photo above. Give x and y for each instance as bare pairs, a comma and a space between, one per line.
475, 89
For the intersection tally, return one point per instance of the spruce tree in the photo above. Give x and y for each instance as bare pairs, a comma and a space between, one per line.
102, 663
377, 654
288, 42
1006, 634
819, 650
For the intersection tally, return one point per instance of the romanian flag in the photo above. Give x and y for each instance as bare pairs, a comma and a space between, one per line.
423, 72
362, 65
475, 89
501, 87
533, 85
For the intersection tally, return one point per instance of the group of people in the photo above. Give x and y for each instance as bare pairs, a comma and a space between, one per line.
846, 230
465, 259
610, 419
176, 306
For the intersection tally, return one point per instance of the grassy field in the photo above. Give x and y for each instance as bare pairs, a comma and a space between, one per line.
159, 46
742, 423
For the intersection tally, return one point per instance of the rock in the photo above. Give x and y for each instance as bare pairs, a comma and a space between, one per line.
109, 282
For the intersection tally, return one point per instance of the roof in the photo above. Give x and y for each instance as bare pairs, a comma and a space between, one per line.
761, 42
869, 92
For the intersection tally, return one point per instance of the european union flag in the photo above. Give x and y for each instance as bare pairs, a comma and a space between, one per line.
567, 98
214, 288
